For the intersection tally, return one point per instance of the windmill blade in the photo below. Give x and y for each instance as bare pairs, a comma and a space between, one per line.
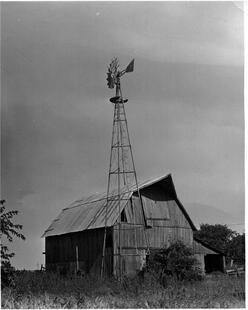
130, 67
110, 80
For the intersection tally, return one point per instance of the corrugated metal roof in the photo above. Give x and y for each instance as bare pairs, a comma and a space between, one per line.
89, 212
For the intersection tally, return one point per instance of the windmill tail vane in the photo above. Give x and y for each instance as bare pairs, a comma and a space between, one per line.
130, 67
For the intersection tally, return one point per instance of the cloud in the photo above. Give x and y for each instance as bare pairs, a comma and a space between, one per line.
170, 48
187, 33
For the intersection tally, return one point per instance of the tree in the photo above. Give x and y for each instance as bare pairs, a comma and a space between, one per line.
218, 236
9, 230
236, 249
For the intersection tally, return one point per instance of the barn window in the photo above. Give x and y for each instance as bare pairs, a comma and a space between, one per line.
155, 209
123, 216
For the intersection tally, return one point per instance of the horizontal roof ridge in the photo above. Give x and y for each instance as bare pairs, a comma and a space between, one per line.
84, 203
95, 200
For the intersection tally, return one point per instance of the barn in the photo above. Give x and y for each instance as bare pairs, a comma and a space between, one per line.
74, 240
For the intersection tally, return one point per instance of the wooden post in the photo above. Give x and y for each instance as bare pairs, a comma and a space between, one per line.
77, 264
224, 263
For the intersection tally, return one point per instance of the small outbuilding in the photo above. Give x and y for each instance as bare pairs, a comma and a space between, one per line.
74, 240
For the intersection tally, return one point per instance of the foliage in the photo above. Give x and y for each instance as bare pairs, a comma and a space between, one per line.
48, 290
7, 274
9, 230
236, 248
176, 260
223, 239
218, 236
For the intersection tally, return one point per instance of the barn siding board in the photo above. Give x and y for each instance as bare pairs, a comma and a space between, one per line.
134, 212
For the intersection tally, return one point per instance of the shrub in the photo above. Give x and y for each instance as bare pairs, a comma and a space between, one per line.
175, 261
7, 274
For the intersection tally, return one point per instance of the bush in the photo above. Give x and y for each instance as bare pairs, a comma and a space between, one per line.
7, 274
175, 261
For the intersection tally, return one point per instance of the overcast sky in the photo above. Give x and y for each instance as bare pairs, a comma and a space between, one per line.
185, 109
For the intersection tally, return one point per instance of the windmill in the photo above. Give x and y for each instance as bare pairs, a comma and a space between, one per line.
122, 175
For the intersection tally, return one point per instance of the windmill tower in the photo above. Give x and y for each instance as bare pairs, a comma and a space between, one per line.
122, 177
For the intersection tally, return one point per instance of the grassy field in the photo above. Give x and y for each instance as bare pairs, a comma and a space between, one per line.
44, 290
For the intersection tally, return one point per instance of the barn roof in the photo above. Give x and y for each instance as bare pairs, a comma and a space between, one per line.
89, 212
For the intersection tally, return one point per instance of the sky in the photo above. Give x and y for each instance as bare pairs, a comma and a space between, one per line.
185, 111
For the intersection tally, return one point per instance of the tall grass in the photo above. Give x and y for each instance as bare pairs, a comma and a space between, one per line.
48, 290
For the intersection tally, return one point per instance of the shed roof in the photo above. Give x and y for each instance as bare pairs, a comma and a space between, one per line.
89, 212
207, 246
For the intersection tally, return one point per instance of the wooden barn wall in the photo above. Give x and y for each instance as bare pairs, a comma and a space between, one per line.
61, 251
201, 262
162, 232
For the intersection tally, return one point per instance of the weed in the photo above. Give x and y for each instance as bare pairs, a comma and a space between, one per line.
49, 290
